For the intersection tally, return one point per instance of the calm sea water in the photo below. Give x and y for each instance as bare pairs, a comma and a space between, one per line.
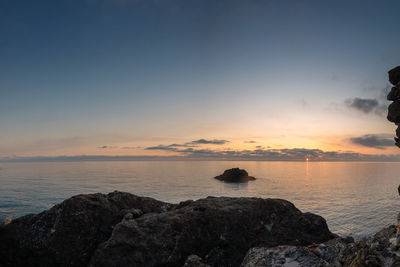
356, 198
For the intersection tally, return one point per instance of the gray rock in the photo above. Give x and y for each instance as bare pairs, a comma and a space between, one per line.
360, 255
235, 175
219, 230
383, 242
282, 256
324, 254
195, 261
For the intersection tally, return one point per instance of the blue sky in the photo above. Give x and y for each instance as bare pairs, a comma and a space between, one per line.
99, 77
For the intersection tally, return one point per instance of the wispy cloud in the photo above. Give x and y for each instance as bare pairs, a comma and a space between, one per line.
211, 142
250, 142
162, 147
107, 147
195, 143
373, 140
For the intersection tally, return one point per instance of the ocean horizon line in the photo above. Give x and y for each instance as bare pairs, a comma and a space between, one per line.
87, 158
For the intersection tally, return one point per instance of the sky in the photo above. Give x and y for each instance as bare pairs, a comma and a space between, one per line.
267, 80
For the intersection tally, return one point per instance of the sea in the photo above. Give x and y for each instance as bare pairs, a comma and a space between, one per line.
355, 198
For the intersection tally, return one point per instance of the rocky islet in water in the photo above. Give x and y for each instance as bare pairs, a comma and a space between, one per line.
235, 175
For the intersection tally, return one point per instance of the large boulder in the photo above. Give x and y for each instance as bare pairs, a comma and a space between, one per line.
68, 233
121, 229
219, 230
235, 175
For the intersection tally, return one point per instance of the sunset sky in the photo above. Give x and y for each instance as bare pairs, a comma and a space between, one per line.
210, 79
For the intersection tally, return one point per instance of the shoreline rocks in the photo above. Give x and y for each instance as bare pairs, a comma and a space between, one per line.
235, 175
122, 229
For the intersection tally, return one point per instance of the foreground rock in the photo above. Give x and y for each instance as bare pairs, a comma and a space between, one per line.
219, 230
121, 229
69, 233
235, 175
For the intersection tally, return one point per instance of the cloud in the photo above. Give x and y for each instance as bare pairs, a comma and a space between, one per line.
250, 142
211, 142
192, 144
371, 140
285, 154
106, 147
162, 147
377, 104
365, 105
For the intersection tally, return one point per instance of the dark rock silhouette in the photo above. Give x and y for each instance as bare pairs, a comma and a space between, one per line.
121, 229
394, 95
235, 175
394, 75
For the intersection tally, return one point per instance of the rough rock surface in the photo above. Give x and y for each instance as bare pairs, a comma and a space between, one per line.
325, 254
282, 256
219, 230
338, 252
235, 175
360, 255
68, 233
195, 261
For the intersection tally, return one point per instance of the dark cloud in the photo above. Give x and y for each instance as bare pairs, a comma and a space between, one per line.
211, 142
162, 147
106, 147
371, 140
250, 142
365, 105
192, 144
377, 105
